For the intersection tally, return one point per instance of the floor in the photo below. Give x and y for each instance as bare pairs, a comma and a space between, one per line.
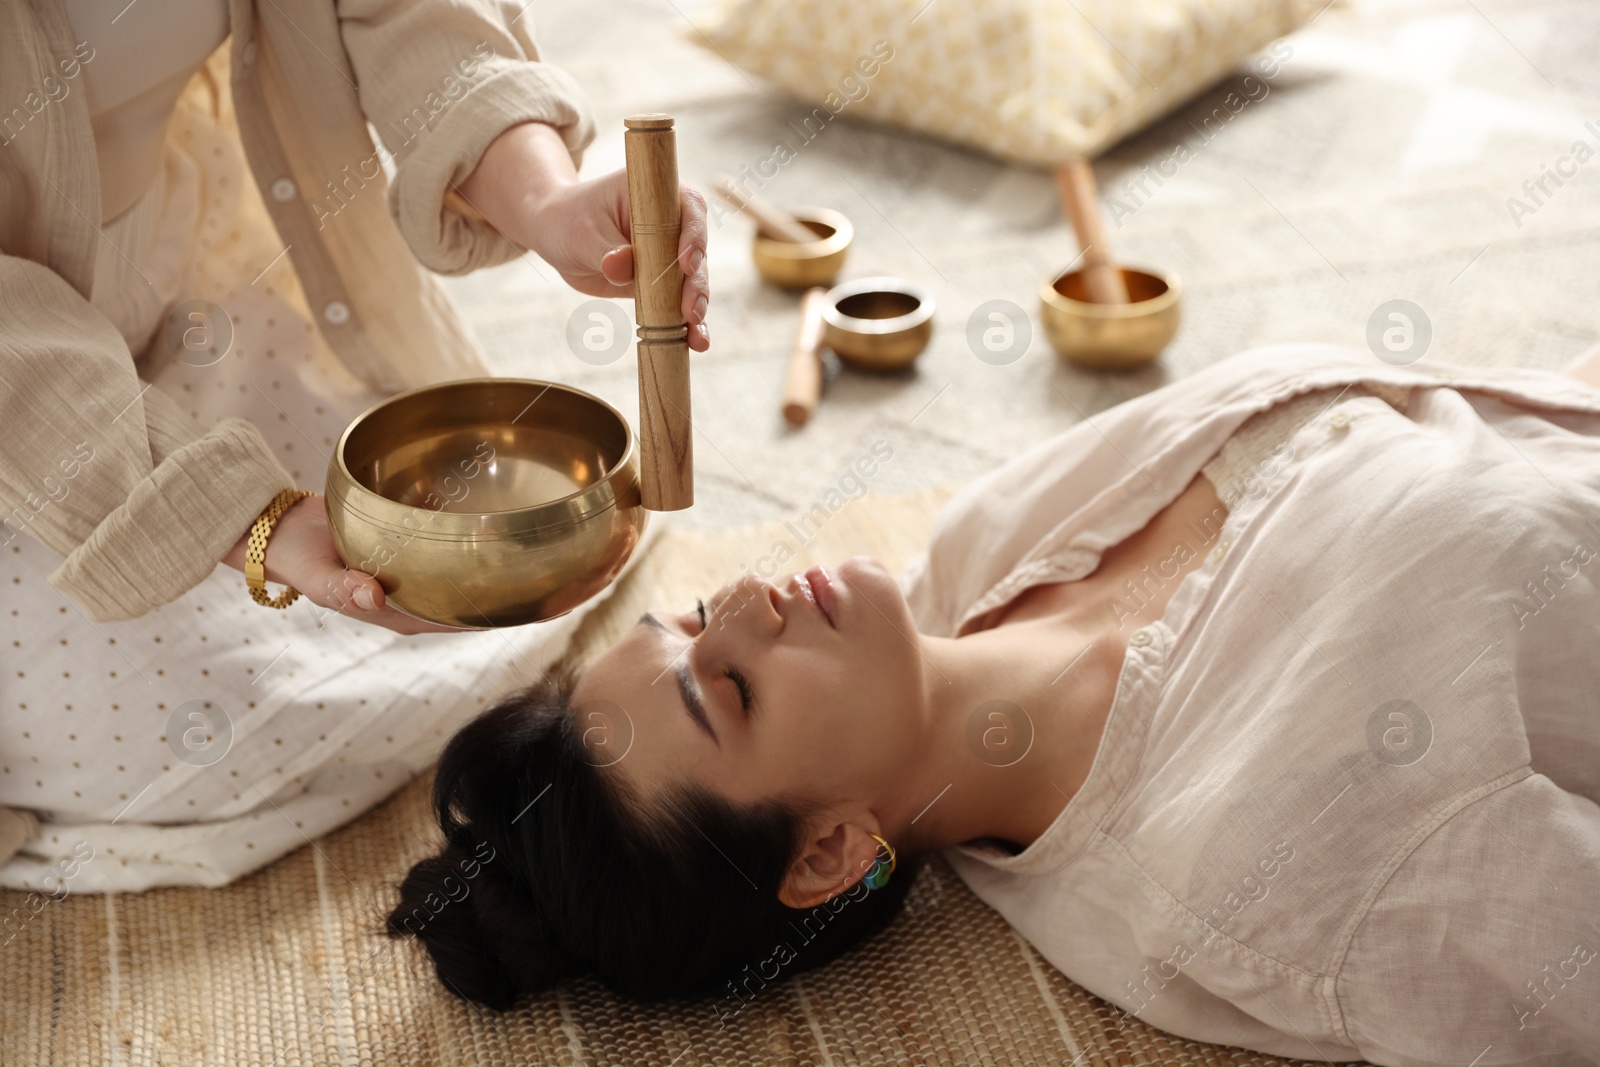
1378, 167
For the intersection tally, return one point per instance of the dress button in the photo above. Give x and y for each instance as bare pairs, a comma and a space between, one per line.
337, 312
283, 190
1140, 638
1220, 551
1340, 420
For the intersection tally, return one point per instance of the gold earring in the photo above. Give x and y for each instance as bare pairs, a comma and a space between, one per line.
878, 876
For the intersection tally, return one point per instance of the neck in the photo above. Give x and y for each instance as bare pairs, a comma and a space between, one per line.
1015, 716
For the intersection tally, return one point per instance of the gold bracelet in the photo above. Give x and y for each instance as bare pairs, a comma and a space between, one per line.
255, 555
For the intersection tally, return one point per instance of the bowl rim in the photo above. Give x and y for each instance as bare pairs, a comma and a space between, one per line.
836, 242
918, 316
575, 507
1052, 298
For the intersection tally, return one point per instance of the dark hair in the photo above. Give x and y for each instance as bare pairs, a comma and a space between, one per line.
551, 869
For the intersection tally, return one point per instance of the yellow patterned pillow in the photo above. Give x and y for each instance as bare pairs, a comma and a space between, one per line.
1036, 81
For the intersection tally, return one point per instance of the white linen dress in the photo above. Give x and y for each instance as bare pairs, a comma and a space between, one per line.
1345, 802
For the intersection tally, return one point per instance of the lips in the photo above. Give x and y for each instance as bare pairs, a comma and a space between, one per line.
816, 585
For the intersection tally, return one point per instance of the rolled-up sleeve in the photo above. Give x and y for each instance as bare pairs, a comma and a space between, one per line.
104, 468
1484, 946
439, 82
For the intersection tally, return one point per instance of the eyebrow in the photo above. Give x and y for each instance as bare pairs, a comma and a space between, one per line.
687, 688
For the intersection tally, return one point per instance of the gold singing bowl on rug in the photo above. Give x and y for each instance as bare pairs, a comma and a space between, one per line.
1111, 336
487, 502
1104, 316
878, 324
803, 265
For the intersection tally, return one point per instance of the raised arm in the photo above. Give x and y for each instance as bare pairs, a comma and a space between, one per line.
487, 141
439, 82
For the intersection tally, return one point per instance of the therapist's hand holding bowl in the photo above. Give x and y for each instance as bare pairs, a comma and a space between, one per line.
527, 188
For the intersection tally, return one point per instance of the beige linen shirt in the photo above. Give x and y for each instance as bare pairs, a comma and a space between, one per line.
1344, 803
104, 469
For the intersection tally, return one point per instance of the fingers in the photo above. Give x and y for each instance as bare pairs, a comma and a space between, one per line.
615, 224
358, 595
365, 592
617, 267
692, 258
302, 555
348, 592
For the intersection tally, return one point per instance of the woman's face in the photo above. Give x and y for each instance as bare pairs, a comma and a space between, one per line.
808, 689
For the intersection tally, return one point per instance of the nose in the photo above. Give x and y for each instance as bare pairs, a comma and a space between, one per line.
750, 606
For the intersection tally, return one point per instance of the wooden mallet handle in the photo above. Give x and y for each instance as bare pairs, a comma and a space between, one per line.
804, 384
771, 221
666, 432
1080, 198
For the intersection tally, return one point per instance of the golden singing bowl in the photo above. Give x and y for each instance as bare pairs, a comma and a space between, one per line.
801, 266
1111, 336
489, 501
878, 324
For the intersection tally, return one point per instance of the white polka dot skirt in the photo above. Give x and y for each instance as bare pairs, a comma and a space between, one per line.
203, 740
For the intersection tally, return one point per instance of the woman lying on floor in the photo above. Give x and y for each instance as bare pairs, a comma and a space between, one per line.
1263, 706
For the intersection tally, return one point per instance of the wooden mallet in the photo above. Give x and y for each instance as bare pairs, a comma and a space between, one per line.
1080, 198
666, 431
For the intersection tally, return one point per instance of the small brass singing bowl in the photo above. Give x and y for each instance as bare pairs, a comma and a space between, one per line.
878, 324
1111, 336
487, 502
801, 266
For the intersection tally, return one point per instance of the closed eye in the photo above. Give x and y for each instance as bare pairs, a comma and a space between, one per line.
746, 698
733, 674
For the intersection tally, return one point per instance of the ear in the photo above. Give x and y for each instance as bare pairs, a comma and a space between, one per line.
835, 858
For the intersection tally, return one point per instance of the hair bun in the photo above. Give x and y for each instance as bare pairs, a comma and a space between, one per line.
484, 936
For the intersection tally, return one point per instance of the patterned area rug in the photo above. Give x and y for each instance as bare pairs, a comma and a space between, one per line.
288, 968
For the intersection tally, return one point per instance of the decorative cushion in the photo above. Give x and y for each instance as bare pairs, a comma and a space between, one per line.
1034, 81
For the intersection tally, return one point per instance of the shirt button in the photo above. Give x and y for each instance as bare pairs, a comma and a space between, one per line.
283, 190
337, 312
1340, 420
1220, 551
249, 53
1140, 638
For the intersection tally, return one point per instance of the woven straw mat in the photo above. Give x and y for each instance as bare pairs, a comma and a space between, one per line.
287, 967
